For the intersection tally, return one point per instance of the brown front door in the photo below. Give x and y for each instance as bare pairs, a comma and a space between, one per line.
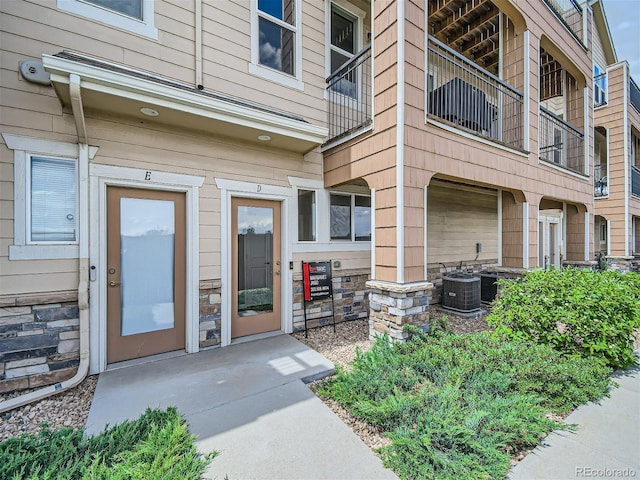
256, 266
146, 255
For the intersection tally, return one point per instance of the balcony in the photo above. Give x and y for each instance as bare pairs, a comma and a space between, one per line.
570, 14
350, 97
635, 180
560, 143
600, 181
634, 94
464, 95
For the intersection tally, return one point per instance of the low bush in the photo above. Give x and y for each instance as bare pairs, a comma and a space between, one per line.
578, 312
155, 446
457, 406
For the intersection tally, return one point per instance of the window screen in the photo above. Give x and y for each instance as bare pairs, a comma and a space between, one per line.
53, 200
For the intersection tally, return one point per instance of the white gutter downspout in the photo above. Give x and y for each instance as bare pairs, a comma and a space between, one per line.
198, 32
83, 285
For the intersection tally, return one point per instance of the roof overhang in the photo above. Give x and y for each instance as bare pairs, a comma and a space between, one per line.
123, 91
602, 25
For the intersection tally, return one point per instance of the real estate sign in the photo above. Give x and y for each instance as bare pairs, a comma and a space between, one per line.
316, 278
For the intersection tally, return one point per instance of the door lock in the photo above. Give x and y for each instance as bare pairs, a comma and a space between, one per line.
113, 284
277, 272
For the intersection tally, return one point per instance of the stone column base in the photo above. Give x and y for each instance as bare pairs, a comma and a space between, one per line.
394, 305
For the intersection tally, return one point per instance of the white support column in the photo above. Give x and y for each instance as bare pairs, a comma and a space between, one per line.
500, 227
587, 243
373, 233
527, 89
525, 234
588, 109
400, 147
426, 224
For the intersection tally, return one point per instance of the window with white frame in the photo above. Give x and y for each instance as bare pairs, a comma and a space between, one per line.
136, 16
46, 198
306, 215
52, 200
350, 217
599, 86
276, 42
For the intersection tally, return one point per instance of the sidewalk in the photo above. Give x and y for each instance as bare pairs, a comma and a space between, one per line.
606, 443
249, 402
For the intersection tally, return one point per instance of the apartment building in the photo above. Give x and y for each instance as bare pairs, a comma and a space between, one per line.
616, 152
167, 166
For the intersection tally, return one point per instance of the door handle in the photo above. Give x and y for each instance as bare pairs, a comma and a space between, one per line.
113, 284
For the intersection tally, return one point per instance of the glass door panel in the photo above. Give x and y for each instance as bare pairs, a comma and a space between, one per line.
147, 242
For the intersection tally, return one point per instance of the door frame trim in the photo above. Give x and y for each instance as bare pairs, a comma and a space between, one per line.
103, 176
235, 188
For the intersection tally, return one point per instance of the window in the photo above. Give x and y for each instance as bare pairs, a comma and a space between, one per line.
343, 34
350, 217
599, 86
131, 8
136, 16
53, 199
306, 216
46, 198
276, 41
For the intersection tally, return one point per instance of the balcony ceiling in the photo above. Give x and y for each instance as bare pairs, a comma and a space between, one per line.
470, 27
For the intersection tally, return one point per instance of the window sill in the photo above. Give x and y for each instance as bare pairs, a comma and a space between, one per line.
43, 252
275, 76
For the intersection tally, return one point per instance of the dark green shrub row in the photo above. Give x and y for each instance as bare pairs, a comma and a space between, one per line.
155, 446
457, 406
578, 312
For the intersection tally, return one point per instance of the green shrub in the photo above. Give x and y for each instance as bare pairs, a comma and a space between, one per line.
155, 446
578, 312
457, 406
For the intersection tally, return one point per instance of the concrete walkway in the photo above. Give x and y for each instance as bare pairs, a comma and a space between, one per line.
606, 443
249, 402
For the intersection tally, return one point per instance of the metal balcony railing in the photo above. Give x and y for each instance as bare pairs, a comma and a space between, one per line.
635, 180
569, 13
600, 90
465, 95
634, 94
350, 96
560, 143
600, 181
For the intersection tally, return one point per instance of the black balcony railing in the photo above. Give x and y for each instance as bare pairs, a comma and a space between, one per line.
560, 143
600, 90
635, 180
350, 96
634, 94
600, 181
569, 13
465, 95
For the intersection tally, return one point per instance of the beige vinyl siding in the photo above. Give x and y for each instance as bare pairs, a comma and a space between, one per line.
227, 54
457, 220
149, 146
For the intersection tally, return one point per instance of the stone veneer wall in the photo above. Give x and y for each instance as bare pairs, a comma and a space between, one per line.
393, 306
623, 264
39, 340
210, 319
350, 297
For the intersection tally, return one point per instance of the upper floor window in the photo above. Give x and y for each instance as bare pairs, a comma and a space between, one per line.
599, 86
136, 16
276, 41
343, 36
131, 8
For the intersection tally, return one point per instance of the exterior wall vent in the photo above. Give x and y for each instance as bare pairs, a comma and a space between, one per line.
34, 72
461, 292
